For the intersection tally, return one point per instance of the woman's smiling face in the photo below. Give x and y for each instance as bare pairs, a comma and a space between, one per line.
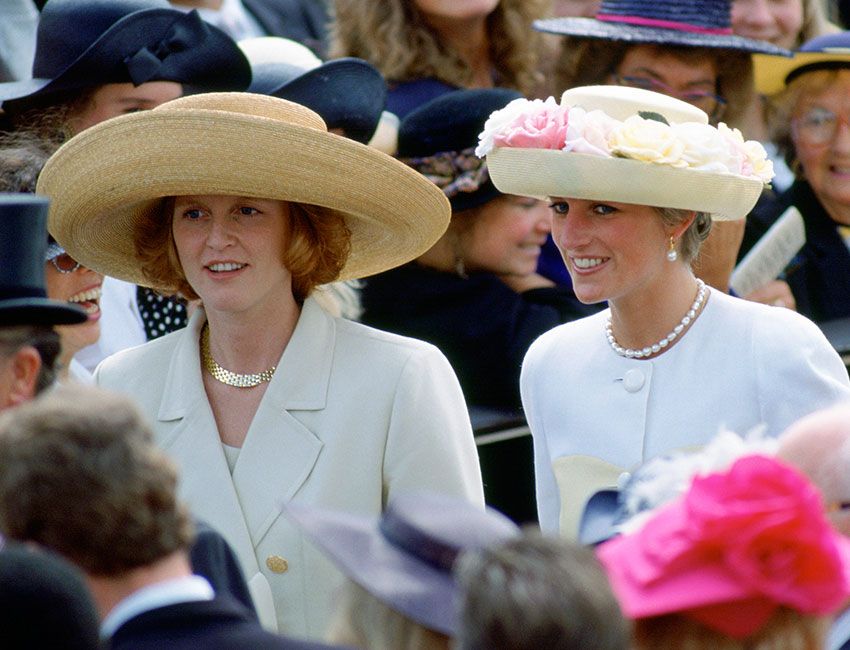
610, 249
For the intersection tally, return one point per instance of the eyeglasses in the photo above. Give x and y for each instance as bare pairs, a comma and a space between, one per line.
816, 126
64, 263
714, 105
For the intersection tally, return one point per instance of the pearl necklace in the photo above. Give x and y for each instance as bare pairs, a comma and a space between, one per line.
655, 348
226, 376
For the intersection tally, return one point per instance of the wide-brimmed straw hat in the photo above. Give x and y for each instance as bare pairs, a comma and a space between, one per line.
116, 173
23, 245
86, 43
349, 93
404, 558
438, 140
625, 145
688, 23
828, 52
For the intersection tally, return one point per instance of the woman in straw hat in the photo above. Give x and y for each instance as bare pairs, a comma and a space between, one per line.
635, 179
264, 397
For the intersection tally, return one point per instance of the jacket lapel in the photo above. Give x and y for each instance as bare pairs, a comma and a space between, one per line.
279, 451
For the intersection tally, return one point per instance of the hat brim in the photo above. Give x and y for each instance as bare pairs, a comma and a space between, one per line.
545, 173
116, 173
348, 93
404, 583
39, 311
217, 63
770, 72
639, 34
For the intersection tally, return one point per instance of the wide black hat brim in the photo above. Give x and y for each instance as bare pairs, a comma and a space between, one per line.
39, 311
617, 31
215, 64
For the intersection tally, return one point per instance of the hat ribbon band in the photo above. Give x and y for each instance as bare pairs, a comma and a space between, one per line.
665, 24
186, 32
412, 541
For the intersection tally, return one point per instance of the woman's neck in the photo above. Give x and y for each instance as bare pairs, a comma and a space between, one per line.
469, 39
247, 343
838, 212
643, 318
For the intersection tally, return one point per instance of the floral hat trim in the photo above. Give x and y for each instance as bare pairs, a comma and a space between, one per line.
645, 137
756, 535
452, 171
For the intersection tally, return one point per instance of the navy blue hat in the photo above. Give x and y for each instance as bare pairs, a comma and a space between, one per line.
404, 558
87, 43
689, 23
438, 140
349, 94
23, 242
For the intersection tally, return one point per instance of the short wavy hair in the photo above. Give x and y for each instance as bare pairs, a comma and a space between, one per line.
83, 477
318, 243
394, 37
694, 235
588, 62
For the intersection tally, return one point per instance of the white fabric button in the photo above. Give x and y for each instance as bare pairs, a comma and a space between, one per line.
633, 380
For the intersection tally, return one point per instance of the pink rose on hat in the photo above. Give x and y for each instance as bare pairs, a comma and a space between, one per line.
543, 125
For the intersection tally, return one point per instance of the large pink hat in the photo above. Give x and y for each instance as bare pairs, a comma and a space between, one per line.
738, 545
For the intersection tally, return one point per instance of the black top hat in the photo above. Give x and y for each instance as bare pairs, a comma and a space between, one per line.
349, 94
690, 23
23, 242
86, 43
438, 139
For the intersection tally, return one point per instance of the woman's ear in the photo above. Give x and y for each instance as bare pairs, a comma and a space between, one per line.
679, 229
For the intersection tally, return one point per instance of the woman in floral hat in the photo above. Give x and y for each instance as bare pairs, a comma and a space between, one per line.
635, 180
749, 561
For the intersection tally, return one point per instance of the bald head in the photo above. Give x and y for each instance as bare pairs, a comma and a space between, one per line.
819, 446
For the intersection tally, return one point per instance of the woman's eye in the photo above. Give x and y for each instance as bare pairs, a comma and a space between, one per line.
247, 211
192, 214
560, 207
603, 209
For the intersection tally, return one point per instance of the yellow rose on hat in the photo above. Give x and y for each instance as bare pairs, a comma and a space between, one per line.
647, 141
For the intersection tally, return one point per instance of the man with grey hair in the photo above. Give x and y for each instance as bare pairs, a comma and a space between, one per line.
537, 592
819, 446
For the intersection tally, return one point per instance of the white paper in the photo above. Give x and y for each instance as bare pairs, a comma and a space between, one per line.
771, 254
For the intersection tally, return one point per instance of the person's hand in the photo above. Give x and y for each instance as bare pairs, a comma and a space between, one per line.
520, 283
776, 293
718, 254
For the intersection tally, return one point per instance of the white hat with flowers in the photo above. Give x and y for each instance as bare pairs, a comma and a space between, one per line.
625, 145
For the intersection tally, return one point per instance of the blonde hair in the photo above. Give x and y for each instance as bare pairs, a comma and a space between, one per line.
318, 243
587, 62
393, 36
786, 629
815, 22
365, 622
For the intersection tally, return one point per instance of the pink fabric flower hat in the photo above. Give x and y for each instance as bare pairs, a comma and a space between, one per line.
628, 145
735, 547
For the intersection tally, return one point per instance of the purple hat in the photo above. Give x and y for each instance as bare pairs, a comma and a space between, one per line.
85, 43
404, 558
689, 23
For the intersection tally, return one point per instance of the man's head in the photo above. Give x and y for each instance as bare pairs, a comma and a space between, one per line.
82, 477
819, 446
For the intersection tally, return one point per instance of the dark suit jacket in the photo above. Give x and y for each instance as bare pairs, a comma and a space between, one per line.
219, 624
213, 558
305, 21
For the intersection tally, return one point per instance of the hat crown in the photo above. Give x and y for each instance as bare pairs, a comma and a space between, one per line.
67, 28
274, 108
621, 102
701, 15
23, 241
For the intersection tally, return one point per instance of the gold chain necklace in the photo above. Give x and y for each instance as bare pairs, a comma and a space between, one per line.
224, 375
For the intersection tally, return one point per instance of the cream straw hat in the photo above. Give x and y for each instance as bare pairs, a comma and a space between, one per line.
102, 181
625, 145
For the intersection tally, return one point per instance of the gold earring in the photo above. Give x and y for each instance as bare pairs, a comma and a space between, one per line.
672, 255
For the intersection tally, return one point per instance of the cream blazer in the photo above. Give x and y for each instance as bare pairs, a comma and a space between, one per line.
594, 415
352, 416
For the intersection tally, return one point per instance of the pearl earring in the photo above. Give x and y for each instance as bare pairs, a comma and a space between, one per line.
672, 255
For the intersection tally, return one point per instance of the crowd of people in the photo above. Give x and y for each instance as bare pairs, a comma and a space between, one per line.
263, 260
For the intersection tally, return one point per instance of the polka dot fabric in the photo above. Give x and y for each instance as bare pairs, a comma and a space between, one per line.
161, 315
